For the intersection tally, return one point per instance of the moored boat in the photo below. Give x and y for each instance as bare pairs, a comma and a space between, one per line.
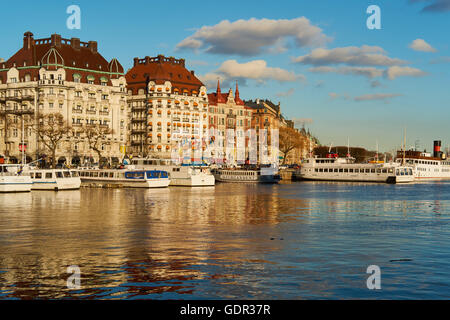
55, 179
247, 175
188, 175
14, 179
126, 178
334, 168
426, 166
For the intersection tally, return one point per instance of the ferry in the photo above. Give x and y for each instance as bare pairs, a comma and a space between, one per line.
333, 168
262, 174
180, 175
427, 166
14, 179
126, 178
55, 179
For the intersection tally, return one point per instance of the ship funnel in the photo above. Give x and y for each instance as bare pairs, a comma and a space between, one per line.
437, 149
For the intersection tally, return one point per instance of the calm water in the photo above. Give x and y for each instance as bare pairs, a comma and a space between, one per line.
289, 241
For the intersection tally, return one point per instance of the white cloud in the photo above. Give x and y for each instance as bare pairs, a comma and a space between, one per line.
369, 72
421, 45
288, 93
396, 71
253, 36
256, 70
352, 56
377, 96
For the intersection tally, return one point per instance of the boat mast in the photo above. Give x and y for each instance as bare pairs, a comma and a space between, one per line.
404, 147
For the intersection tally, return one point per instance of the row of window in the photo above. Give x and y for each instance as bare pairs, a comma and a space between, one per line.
352, 170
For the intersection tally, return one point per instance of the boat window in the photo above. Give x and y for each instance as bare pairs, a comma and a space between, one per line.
345, 170
134, 175
75, 174
350, 170
410, 172
66, 174
336, 170
59, 174
48, 175
356, 170
38, 175
372, 170
320, 170
95, 174
325, 170
384, 170
378, 170
391, 170
316, 170
32, 175
111, 174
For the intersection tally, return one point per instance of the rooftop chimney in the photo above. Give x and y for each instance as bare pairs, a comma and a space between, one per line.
93, 46
135, 62
75, 42
28, 40
56, 40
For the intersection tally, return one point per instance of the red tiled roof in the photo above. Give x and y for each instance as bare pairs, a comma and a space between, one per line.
79, 57
161, 69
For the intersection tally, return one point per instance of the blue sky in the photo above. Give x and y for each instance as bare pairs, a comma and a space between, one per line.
368, 87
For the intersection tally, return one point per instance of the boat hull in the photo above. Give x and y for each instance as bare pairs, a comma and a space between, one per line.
15, 184
154, 183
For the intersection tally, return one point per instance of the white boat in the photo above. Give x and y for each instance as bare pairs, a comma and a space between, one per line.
55, 179
334, 168
427, 167
247, 175
179, 175
14, 179
126, 177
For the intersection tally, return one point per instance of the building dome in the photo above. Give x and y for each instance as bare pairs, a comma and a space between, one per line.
52, 58
114, 66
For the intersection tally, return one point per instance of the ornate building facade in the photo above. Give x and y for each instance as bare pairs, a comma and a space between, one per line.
167, 103
228, 111
66, 76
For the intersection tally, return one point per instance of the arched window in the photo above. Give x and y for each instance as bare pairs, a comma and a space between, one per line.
77, 77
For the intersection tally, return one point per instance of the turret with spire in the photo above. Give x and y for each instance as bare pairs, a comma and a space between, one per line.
237, 99
219, 93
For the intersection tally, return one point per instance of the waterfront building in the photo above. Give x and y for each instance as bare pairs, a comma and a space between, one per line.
266, 115
228, 111
66, 76
167, 103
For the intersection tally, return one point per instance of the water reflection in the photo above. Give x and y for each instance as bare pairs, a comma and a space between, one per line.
296, 240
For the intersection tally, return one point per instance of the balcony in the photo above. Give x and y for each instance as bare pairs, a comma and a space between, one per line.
51, 82
77, 110
16, 111
139, 119
91, 111
103, 113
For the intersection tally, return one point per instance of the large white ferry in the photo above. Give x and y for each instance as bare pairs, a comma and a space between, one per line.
427, 166
334, 168
179, 175
262, 174
14, 179
55, 179
126, 178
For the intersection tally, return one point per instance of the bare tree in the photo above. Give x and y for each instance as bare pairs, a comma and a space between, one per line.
290, 139
95, 136
51, 129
